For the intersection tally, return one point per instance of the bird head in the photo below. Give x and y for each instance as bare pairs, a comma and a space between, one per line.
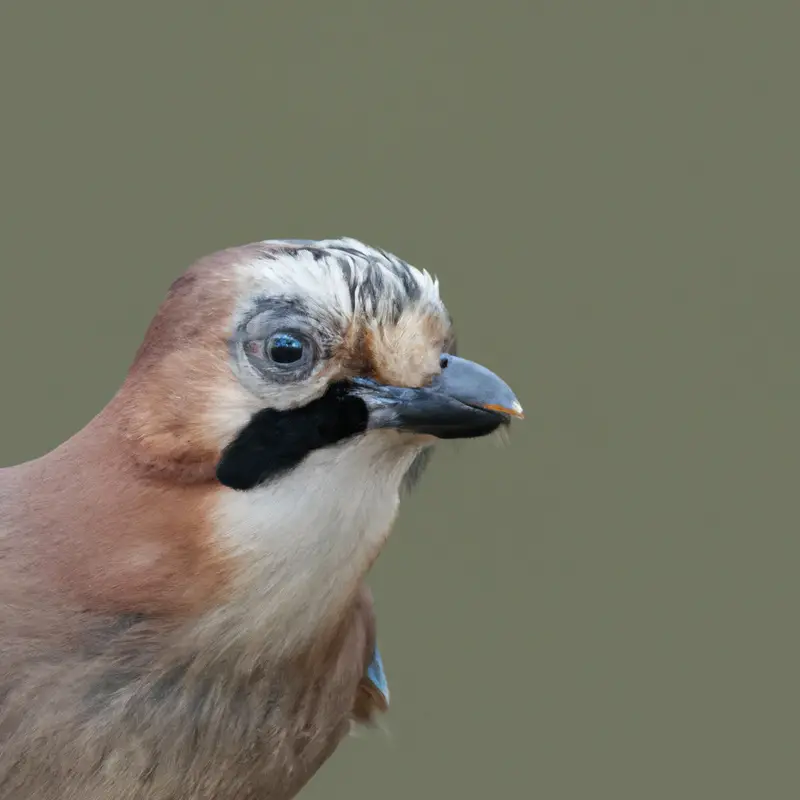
262, 354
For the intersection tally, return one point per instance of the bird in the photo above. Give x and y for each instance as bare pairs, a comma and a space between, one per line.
183, 581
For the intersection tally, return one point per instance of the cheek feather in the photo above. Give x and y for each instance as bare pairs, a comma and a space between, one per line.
164, 416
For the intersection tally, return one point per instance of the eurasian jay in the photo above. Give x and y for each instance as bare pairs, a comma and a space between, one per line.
184, 613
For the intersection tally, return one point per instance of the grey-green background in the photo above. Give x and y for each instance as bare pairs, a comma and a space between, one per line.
607, 607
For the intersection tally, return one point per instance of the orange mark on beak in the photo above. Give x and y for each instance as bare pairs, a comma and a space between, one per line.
514, 411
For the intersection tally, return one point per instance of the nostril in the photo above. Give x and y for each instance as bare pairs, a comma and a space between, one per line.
443, 361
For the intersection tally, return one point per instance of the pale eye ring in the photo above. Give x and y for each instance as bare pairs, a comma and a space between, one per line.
284, 349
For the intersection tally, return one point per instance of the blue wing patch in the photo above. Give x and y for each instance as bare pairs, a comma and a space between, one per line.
376, 676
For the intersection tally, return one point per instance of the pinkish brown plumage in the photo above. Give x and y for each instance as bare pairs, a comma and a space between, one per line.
185, 614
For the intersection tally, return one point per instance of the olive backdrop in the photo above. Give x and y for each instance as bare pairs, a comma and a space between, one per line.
607, 606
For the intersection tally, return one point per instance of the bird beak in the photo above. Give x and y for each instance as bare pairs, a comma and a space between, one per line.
465, 400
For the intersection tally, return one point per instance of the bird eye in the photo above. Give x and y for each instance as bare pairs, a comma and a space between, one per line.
284, 348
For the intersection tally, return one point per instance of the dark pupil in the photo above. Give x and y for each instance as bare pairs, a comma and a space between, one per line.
285, 349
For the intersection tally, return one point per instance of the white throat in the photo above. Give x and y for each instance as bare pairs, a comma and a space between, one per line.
307, 538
